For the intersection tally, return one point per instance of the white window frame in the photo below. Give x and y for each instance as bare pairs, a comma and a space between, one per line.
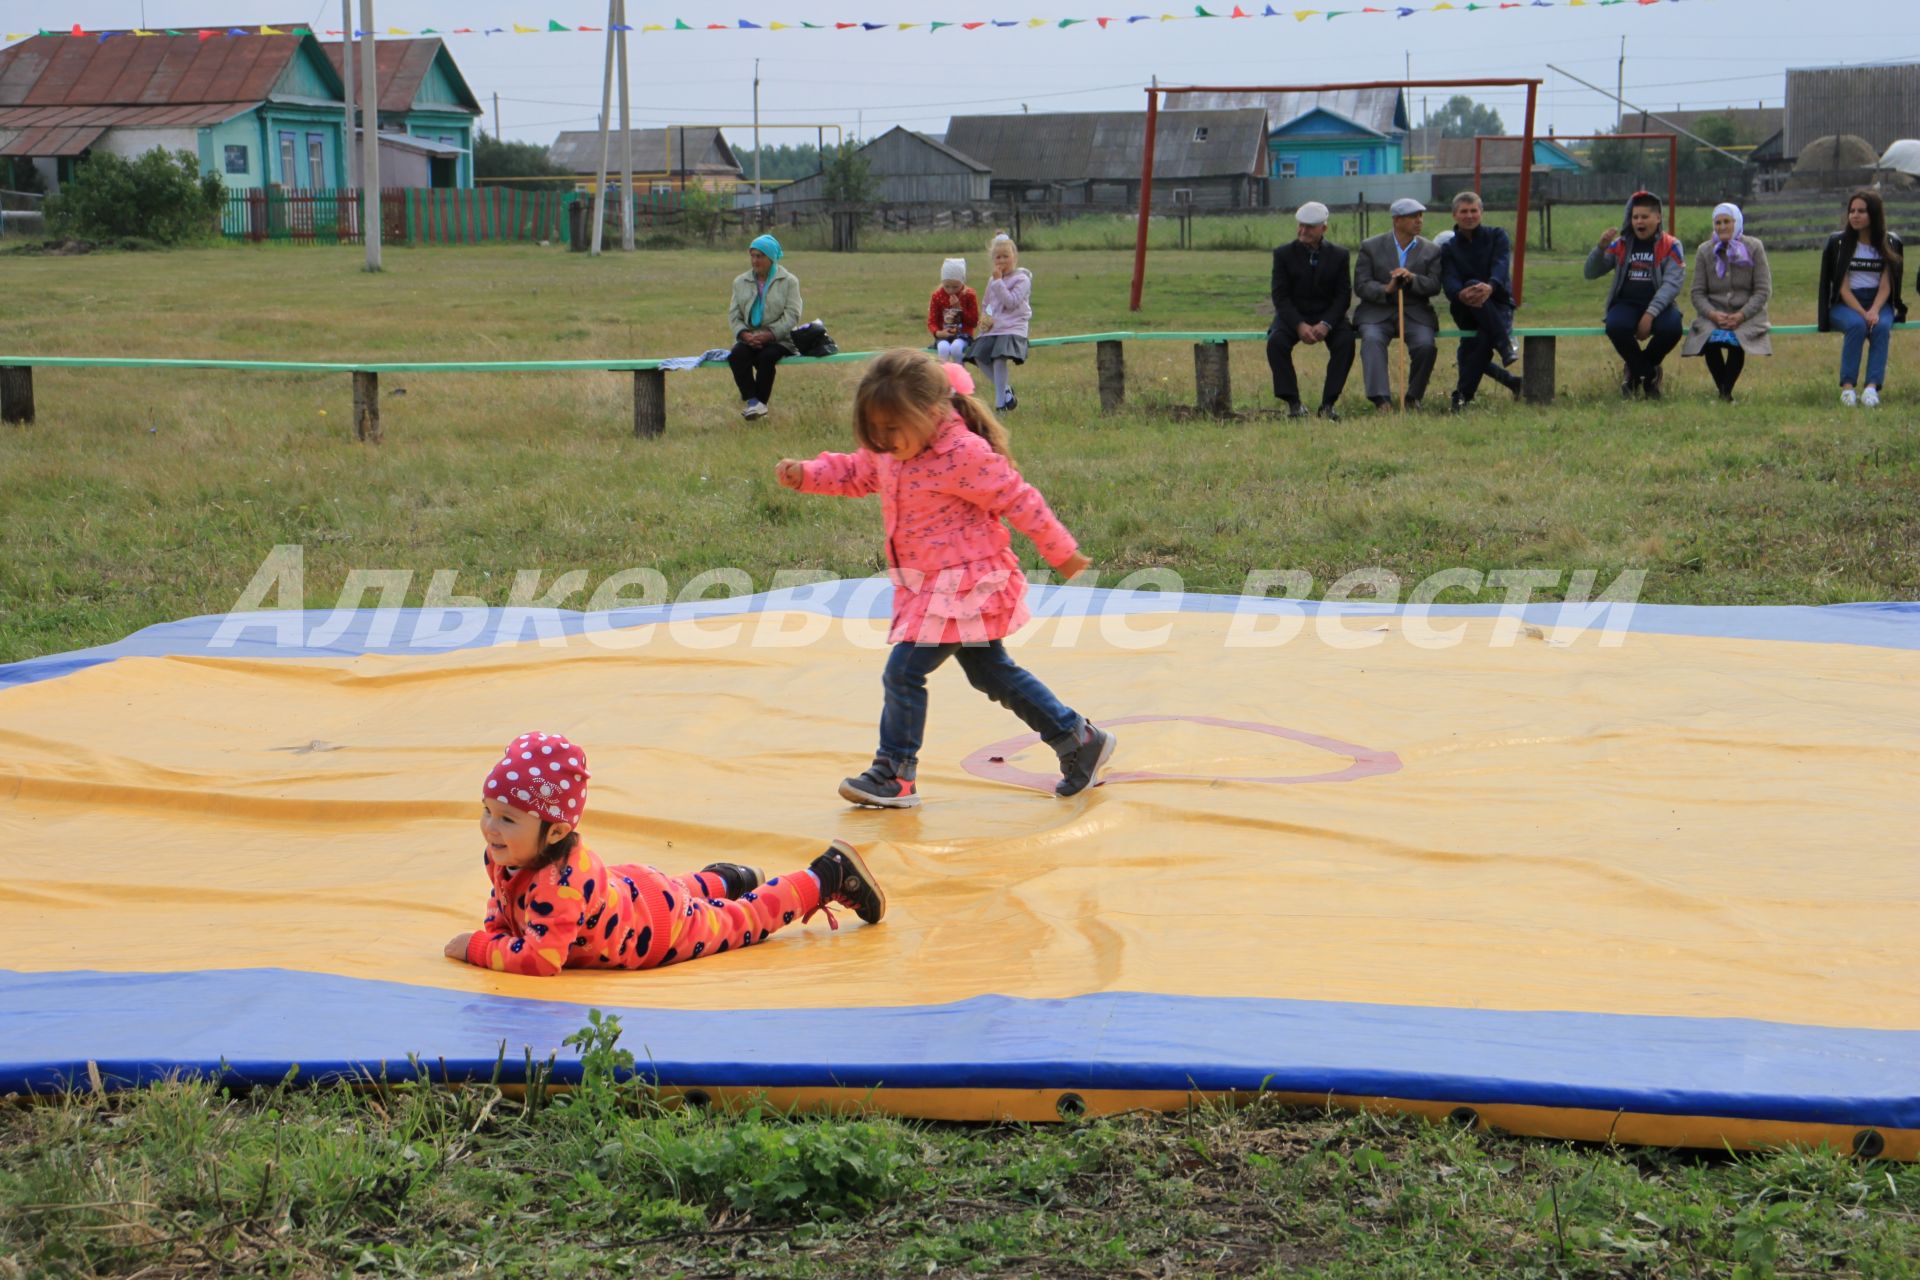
1349, 166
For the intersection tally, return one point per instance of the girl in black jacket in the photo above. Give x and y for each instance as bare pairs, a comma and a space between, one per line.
1860, 273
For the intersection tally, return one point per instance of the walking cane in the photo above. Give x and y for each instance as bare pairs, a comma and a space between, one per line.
1400, 295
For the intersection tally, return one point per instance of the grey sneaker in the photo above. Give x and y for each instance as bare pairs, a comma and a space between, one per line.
753, 409
883, 786
1081, 763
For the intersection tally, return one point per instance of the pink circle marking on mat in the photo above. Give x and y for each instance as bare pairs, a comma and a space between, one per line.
992, 762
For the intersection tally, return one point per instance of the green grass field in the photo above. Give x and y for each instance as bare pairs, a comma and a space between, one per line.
144, 496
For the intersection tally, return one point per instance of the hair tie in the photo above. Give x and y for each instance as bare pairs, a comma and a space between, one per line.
958, 378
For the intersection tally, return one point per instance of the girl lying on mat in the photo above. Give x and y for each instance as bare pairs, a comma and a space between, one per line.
555, 905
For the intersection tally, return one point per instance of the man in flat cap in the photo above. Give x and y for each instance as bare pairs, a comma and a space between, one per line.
1396, 274
1311, 295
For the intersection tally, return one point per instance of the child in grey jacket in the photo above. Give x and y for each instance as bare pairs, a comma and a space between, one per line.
1649, 267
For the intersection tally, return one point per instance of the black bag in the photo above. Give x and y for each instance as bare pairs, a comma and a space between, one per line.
811, 339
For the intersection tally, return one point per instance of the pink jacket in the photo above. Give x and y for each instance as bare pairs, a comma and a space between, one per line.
955, 577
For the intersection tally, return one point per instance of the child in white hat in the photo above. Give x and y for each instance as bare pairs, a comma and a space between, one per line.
953, 313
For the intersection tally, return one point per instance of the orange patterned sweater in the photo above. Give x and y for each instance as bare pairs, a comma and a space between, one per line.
577, 913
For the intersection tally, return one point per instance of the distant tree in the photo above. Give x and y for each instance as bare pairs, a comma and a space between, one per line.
1718, 130
493, 158
703, 211
160, 196
847, 176
1462, 117
782, 162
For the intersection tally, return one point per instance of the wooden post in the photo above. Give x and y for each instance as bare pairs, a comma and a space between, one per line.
649, 402
366, 408
1536, 370
16, 394
1212, 383
1110, 362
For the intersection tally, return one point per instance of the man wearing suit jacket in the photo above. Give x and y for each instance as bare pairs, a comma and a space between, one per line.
1310, 300
1387, 268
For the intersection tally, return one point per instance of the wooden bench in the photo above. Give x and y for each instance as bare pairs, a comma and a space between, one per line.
1213, 386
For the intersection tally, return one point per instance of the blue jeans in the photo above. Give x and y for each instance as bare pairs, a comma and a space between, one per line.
1853, 332
989, 668
1623, 322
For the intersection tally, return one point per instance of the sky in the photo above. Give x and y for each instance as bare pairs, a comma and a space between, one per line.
1681, 54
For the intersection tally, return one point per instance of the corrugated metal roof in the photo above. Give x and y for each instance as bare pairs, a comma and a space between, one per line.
52, 140
1381, 109
107, 117
654, 151
401, 66
143, 70
1074, 146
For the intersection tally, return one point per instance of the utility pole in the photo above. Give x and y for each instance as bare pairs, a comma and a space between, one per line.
626, 138
350, 141
606, 123
496, 117
369, 140
756, 132
1620, 86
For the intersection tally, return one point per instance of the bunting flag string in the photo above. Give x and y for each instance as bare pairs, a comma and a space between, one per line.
553, 26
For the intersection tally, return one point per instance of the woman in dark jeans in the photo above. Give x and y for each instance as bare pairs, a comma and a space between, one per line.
1860, 273
764, 311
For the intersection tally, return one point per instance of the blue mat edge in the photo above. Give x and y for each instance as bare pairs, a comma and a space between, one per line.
255, 1024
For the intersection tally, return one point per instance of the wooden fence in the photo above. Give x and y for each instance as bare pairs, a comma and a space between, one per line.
408, 215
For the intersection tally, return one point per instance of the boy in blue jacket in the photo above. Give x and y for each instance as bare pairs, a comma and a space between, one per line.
1649, 267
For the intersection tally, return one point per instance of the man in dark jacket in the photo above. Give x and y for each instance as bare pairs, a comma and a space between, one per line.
1474, 273
1311, 294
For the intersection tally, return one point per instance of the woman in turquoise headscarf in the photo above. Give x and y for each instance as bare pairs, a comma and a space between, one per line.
766, 307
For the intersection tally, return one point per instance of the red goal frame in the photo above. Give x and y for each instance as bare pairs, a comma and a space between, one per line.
1153, 119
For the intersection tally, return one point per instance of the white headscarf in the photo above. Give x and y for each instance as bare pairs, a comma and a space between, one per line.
1734, 251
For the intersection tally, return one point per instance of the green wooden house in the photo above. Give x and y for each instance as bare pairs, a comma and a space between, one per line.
424, 98
259, 110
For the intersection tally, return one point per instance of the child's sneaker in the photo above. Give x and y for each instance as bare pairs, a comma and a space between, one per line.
1081, 763
1870, 397
1847, 397
883, 786
845, 881
740, 880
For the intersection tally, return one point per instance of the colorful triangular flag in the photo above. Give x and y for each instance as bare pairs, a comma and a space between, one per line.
555, 25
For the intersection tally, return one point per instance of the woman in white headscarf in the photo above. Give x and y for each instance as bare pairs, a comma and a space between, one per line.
1731, 285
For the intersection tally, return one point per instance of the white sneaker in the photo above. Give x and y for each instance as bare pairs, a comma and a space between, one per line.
1870, 397
754, 409
1847, 397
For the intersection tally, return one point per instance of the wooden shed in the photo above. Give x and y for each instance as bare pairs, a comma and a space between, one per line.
1880, 104
907, 168
1205, 159
670, 159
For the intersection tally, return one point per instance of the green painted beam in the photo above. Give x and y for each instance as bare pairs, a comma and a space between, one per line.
626, 366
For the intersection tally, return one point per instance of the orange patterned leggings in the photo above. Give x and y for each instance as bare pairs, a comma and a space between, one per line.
705, 922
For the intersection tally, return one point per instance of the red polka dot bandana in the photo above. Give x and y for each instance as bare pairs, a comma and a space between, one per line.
543, 775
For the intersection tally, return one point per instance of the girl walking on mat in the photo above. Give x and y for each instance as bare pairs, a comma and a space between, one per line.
940, 462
